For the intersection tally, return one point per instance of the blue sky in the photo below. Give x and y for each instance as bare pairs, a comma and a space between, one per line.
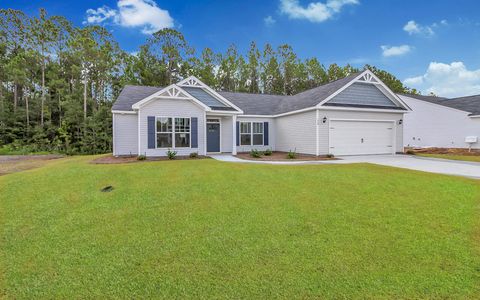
430, 45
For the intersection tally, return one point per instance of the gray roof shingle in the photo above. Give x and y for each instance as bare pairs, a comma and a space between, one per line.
469, 104
251, 104
264, 104
132, 94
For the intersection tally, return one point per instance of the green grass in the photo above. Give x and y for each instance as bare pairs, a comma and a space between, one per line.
474, 158
10, 150
206, 229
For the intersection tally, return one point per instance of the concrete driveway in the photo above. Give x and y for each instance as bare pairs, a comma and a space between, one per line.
432, 165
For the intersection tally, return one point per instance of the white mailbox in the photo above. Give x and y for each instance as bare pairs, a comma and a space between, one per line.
471, 139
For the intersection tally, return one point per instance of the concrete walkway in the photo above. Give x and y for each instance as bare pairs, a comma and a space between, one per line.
432, 165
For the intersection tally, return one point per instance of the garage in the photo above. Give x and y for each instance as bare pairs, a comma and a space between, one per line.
361, 137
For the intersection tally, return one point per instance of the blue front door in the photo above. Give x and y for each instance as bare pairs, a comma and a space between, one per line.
213, 137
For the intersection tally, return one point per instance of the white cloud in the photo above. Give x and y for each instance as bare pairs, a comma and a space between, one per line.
269, 21
315, 11
100, 14
448, 80
413, 28
388, 51
144, 14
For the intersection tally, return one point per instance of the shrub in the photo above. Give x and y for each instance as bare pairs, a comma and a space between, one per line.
330, 155
410, 152
193, 155
292, 154
255, 153
141, 157
268, 152
171, 154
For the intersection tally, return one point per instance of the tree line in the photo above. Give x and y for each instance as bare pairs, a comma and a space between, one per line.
58, 81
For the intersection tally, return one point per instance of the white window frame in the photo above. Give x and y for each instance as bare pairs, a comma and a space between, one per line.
248, 133
173, 132
251, 133
263, 132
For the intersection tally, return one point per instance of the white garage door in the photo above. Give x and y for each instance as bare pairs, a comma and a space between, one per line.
361, 137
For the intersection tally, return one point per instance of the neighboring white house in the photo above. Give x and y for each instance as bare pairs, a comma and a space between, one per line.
442, 122
354, 115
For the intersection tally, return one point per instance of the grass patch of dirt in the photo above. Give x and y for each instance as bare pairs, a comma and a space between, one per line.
17, 163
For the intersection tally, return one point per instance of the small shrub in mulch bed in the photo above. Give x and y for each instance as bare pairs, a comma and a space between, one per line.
292, 154
255, 153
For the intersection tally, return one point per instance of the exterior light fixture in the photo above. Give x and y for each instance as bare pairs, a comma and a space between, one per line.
324, 120
400, 122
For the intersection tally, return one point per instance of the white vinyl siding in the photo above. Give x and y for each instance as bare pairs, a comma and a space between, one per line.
174, 108
125, 134
296, 132
432, 125
226, 132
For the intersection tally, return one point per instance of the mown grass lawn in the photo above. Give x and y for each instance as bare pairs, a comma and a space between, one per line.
474, 158
206, 229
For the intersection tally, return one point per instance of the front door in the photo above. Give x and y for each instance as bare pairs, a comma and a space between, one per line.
213, 137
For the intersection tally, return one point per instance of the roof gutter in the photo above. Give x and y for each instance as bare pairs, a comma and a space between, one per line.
124, 112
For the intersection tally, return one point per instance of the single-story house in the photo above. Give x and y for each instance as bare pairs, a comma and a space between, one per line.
442, 122
358, 114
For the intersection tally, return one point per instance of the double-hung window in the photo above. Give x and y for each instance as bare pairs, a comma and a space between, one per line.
182, 132
251, 133
164, 132
257, 133
173, 132
245, 133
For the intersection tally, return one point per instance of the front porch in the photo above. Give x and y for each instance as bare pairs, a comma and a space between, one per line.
220, 133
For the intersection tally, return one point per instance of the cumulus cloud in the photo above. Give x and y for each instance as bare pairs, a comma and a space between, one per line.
448, 80
316, 12
269, 21
100, 14
144, 14
388, 51
414, 28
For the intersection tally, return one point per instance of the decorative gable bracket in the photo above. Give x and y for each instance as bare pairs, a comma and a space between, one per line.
367, 77
173, 92
191, 81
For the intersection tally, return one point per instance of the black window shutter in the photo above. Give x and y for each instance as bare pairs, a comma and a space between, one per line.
265, 133
238, 133
194, 132
151, 132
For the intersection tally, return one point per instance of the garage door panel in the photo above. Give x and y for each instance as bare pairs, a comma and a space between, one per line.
361, 137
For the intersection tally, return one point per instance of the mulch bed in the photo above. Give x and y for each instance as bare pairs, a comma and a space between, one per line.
451, 151
281, 156
110, 159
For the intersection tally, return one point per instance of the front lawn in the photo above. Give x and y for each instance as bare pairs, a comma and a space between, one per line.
207, 229
474, 158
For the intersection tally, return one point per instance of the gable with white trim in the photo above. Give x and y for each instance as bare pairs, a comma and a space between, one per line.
367, 90
362, 94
